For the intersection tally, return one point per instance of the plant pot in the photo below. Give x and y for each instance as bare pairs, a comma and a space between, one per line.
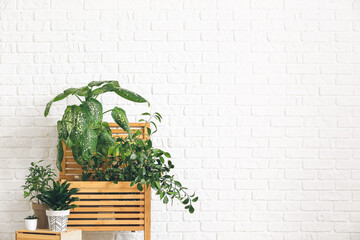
30, 224
39, 212
58, 220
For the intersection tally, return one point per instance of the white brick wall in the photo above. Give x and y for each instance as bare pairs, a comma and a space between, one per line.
260, 101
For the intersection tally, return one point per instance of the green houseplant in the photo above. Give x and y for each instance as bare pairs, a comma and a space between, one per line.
59, 199
36, 182
93, 146
31, 222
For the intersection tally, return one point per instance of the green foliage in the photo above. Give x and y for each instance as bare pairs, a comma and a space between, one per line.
31, 217
137, 161
59, 197
37, 180
106, 159
119, 116
81, 127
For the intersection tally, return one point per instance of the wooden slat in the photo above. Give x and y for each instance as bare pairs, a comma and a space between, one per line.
100, 190
105, 222
73, 171
108, 209
106, 215
139, 125
109, 228
39, 231
111, 196
102, 185
147, 227
24, 236
108, 203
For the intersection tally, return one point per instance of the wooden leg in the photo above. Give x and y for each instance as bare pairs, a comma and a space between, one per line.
147, 228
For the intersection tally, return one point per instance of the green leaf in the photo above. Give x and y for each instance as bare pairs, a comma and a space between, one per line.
119, 116
166, 200
88, 143
60, 155
60, 97
140, 187
131, 96
77, 153
93, 108
62, 132
167, 154
157, 184
84, 91
98, 83
186, 201
69, 123
109, 87
195, 199
138, 132
177, 183
191, 209
81, 121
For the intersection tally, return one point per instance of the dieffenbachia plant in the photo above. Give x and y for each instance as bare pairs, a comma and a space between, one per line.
82, 128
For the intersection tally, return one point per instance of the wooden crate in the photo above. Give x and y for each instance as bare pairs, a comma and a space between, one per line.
105, 206
72, 170
42, 234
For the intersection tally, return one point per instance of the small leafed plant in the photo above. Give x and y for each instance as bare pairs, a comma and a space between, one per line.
59, 196
135, 160
31, 217
37, 180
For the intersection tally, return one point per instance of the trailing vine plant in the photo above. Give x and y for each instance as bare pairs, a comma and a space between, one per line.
107, 159
136, 160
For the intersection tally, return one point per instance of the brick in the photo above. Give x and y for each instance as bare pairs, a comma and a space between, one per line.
294, 4
33, 4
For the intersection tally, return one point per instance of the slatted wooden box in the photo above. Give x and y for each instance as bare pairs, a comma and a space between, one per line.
43, 234
105, 206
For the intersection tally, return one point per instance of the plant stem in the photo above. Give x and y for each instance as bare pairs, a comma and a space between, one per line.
107, 111
79, 98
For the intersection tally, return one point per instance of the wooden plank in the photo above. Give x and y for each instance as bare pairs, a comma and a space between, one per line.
99, 190
63, 163
109, 228
45, 231
121, 136
25, 236
102, 185
107, 215
73, 171
140, 125
108, 202
111, 196
147, 229
109, 209
105, 222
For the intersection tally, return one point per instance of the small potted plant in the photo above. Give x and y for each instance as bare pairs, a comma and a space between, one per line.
31, 222
36, 182
59, 199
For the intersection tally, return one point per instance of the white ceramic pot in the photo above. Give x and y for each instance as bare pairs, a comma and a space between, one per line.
31, 224
58, 220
